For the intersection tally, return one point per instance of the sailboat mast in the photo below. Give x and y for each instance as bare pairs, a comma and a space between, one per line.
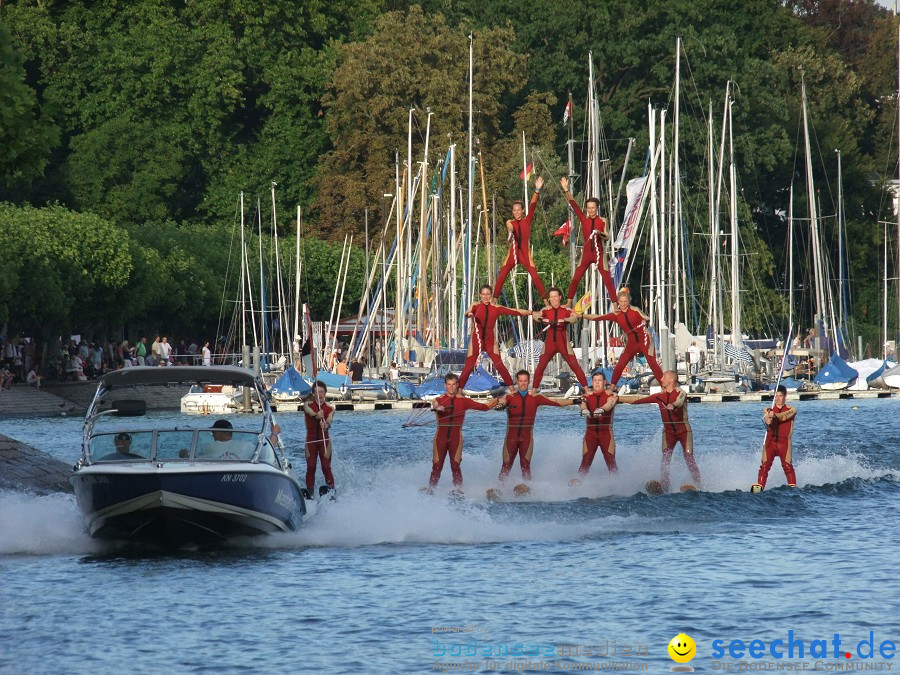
791, 261
813, 213
735, 239
571, 171
243, 278
297, 282
467, 280
840, 213
676, 186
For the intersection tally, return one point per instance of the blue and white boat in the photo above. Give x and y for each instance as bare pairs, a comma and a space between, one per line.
176, 485
836, 374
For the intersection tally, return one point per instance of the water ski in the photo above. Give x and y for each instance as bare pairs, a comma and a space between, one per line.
654, 487
575, 482
494, 495
521, 490
688, 487
325, 491
756, 488
456, 494
305, 494
427, 490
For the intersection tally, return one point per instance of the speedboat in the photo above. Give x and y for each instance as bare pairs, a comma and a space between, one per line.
212, 399
178, 485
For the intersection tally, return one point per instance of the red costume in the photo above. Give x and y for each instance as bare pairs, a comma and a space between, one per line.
520, 252
778, 444
631, 321
594, 230
520, 413
483, 340
676, 429
598, 433
318, 444
448, 436
557, 342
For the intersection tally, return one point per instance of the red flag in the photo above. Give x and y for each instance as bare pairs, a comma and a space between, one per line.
567, 113
564, 231
527, 173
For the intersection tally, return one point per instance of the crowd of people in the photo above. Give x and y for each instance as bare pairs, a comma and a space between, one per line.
78, 358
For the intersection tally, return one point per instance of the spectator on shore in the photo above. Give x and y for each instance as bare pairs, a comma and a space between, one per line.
206, 354
141, 352
154, 352
34, 377
341, 368
165, 352
6, 378
356, 371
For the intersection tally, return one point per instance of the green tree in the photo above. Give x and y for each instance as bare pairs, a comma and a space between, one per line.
27, 133
411, 61
68, 264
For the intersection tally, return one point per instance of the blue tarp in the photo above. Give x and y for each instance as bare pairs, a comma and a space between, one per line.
431, 387
291, 385
405, 390
335, 382
481, 381
789, 383
885, 366
836, 371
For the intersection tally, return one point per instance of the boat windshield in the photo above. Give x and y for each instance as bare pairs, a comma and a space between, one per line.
187, 444
122, 446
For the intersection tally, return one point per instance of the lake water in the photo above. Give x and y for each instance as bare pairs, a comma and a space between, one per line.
387, 580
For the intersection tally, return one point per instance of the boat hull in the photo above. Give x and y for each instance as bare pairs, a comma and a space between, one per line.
180, 504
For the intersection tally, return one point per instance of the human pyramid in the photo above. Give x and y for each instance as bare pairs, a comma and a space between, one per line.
522, 401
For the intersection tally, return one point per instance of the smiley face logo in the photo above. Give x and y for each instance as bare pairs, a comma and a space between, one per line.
682, 648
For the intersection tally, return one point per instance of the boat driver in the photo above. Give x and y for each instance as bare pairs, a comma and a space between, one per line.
123, 449
224, 445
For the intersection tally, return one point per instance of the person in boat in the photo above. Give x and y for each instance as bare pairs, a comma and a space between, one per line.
593, 227
634, 324
557, 318
224, 445
450, 411
521, 410
318, 416
599, 404
519, 228
672, 402
779, 420
122, 443
484, 341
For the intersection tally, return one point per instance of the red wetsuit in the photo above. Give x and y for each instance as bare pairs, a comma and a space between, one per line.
631, 321
520, 414
778, 444
598, 433
594, 230
484, 341
557, 342
448, 436
318, 445
520, 252
676, 429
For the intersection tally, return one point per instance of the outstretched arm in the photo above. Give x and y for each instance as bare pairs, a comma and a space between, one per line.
599, 317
